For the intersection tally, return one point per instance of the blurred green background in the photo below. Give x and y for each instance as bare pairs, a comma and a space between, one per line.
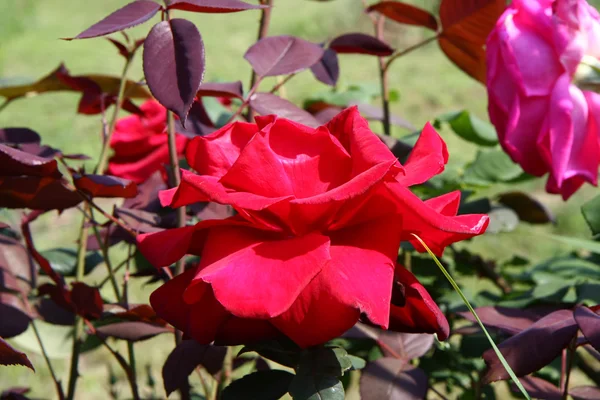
428, 85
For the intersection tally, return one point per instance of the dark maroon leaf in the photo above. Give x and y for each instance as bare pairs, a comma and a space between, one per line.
261, 365
140, 220
221, 89
174, 64
509, 320
8, 281
53, 313
527, 208
36, 193
585, 393
405, 345
538, 388
147, 197
589, 323
327, 114
87, 300
141, 313
470, 20
42, 262
15, 393
212, 6
14, 320
533, 348
359, 43
10, 356
327, 70
198, 122
282, 55
18, 136
60, 80
185, 358
392, 379
131, 331
15, 260
15, 162
123, 50
405, 14
267, 103
131, 15
105, 186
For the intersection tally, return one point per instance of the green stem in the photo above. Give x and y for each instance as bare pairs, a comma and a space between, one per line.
59, 389
569, 354
263, 30
111, 127
409, 50
383, 79
104, 249
225, 379
77, 341
472, 310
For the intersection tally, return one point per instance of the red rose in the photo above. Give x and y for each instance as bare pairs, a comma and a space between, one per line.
321, 214
141, 144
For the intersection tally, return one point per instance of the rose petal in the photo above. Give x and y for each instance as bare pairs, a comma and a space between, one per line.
255, 274
420, 314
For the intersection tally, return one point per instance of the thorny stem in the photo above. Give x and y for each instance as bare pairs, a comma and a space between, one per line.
246, 100
59, 389
115, 270
263, 29
130, 349
205, 387
280, 84
111, 127
568, 353
383, 79
104, 249
174, 180
434, 390
409, 50
77, 341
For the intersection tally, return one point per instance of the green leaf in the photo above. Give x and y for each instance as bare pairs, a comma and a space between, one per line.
591, 213
492, 166
325, 361
306, 387
576, 243
470, 128
261, 385
64, 261
357, 362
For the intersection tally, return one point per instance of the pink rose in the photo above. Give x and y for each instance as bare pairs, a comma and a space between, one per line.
544, 121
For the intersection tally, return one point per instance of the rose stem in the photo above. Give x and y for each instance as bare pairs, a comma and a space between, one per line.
59, 389
84, 231
263, 29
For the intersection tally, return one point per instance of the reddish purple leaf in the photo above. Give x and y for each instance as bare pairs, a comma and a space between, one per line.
123, 50
585, 393
18, 136
267, 103
533, 348
405, 14
221, 89
131, 331
359, 43
174, 64
376, 113
198, 122
15, 261
509, 320
14, 319
87, 300
15, 162
141, 313
212, 6
538, 388
4, 225
589, 323
184, 358
327, 70
282, 55
15, 393
42, 262
327, 114
405, 345
392, 379
52, 313
131, 15
10, 356
147, 197
140, 220
36, 193
105, 186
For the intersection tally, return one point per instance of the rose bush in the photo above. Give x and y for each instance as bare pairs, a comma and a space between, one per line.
141, 145
321, 214
545, 122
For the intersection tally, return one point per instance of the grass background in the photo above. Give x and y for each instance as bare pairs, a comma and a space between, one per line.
428, 84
